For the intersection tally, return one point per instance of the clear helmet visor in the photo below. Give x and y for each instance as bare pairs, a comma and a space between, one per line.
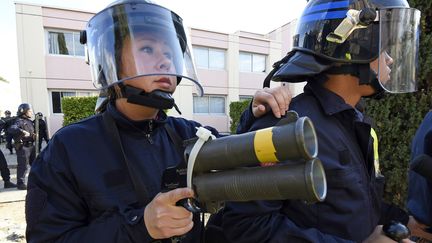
139, 41
397, 63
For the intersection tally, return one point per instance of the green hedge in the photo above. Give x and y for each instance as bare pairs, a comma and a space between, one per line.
77, 108
236, 109
397, 118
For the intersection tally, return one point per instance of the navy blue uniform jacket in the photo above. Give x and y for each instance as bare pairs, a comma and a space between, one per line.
79, 189
352, 208
420, 189
16, 130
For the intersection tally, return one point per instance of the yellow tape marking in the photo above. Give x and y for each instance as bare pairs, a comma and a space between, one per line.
264, 147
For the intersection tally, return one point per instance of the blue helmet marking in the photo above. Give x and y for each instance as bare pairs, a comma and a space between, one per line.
324, 16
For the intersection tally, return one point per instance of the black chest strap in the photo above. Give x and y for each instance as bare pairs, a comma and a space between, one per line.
133, 174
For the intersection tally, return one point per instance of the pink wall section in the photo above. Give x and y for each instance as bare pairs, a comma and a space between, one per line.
66, 72
220, 122
209, 38
250, 82
213, 81
57, 18
254, 45
59, 67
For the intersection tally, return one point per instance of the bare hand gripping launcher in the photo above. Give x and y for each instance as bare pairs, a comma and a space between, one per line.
230, 168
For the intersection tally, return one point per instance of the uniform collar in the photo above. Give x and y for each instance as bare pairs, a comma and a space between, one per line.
145, 126
329, 101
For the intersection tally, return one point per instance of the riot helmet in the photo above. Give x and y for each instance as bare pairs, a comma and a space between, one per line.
23, 110
7, 113
345, 36
135, 20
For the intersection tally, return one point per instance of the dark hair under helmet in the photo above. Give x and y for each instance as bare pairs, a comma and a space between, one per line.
353, 32
22, 109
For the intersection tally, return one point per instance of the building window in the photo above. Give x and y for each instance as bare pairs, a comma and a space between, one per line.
209, 104
65, 43
251, 62
209, 58
56, 97
245, 97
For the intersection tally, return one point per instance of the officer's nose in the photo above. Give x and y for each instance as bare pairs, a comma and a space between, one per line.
164, 63
388, 59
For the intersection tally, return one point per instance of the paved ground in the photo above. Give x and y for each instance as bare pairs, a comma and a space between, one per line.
12, 223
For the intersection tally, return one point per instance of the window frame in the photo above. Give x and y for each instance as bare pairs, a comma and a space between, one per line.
246, 97
74, 49
251, 67
208, 50
77, 93
209, 105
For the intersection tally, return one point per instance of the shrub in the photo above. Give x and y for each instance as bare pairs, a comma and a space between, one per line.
77, 108
236, 109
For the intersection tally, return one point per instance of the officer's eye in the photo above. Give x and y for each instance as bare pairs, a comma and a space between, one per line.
146, 49
168, 55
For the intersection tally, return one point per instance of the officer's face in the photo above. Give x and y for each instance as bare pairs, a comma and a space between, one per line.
29, 113
382, 63
152, 55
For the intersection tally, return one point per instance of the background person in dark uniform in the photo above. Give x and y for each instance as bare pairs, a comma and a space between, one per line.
8, 121
43, 129
5, 172
4, 169
23, 134
339, 52
108, 187
419, 201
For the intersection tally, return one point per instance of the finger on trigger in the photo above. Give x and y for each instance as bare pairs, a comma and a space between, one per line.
178, 194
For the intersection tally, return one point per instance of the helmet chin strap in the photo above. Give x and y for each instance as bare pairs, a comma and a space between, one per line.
379, 90
366, 77
156, 99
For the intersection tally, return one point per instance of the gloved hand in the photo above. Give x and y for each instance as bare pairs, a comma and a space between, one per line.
26, 134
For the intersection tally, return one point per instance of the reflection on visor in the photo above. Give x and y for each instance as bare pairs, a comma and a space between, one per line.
399, 50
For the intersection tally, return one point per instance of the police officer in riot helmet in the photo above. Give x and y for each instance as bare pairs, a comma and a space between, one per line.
8, 121
4, 169
23, 134
43, 129
107, 187
345, 50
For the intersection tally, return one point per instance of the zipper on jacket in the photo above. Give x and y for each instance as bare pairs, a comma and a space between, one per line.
150, 130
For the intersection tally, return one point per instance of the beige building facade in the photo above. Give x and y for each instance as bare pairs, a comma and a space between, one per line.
230, 67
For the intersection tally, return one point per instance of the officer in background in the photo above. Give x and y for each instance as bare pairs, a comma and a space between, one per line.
8, 121
345, 50
23, 134
419, 201
4, 169
43, 129
5, 172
